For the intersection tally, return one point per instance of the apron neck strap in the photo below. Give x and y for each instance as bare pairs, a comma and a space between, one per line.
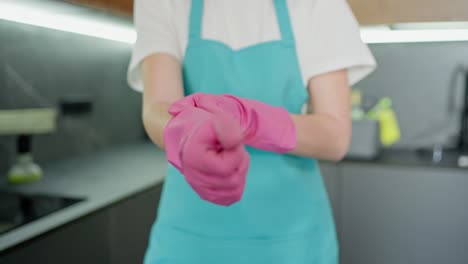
282, 14
284, 21
196, 15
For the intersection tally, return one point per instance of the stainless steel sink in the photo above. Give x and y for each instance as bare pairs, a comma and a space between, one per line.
17, 209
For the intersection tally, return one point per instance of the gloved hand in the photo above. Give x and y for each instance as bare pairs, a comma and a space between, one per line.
263, 126
207, 148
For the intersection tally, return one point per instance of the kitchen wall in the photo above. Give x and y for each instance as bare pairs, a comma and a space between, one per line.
40, 67
423, 80
426, 85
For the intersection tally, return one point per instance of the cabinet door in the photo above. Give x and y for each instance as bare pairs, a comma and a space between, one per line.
332, 180
368, 11
401, 11
116, 6
82, 241
130, 224
122, 6
404, 215
397, 11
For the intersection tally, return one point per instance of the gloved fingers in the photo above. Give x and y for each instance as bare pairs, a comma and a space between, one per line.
210, 102
222, 200
231, 189
226, 199
231, 106
244, 165
227, 128
231, 160
211, 191
239, 179
204, 180
228, 196
222, 182
222, 163
228, 131
199, 149
220, 104
209, 196
175, 135
179, 106
220, 197
214, 181
187, 101
239, 176
202, 152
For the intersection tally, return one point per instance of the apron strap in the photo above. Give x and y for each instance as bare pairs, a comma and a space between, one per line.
196, 15
284, 21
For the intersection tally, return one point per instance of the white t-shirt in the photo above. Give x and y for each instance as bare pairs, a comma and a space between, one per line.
326, 32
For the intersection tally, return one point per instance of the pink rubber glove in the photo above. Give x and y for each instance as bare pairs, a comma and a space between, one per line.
264, 126
208, 150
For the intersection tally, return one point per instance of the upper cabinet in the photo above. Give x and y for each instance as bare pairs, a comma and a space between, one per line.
371, 12
124, 7
368, 12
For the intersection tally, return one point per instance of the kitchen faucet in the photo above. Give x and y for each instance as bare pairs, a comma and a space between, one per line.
463, 137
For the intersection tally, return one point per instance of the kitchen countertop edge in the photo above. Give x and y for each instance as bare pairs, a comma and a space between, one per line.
58, 175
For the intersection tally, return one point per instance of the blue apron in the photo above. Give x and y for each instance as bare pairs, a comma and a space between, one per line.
284, 215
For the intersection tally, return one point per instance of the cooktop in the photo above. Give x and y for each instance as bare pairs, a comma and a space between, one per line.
17, 209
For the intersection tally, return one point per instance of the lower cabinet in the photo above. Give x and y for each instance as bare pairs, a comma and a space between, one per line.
116, 234
129, 227
384, 214
83, 241
392, 214
333, 183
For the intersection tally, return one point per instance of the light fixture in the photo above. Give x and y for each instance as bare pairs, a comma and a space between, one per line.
27, 12
408, 33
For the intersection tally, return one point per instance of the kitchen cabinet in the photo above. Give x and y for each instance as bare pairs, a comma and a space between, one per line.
82, 241
129, 226
368, 12
124, 7
392, 214
332, 180
113, 235
403, 11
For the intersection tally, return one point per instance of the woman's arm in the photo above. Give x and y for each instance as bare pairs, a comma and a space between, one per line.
325, 133
163, 85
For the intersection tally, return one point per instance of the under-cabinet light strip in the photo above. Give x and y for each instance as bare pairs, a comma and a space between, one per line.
42, 17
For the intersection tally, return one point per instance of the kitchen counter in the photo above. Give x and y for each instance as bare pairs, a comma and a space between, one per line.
112, 175
102, 178
401, 157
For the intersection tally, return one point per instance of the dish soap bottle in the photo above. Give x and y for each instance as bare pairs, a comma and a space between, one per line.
357, 113
24, 170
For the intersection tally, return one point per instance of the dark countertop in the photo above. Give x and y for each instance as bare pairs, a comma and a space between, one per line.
102, 178
419, 158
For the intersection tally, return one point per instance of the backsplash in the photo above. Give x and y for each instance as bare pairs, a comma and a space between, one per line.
426, 85
41, 67
52, 65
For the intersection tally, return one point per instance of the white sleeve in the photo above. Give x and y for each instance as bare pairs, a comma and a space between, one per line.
155, 29
329, 39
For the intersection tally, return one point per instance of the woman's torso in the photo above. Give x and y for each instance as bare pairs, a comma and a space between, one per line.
284, 202
243, 23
